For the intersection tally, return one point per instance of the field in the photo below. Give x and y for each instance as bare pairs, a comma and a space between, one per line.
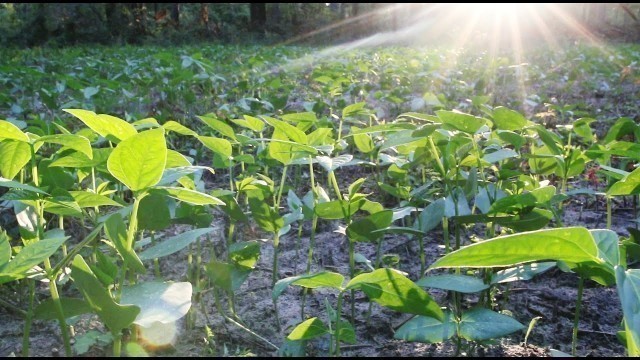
348, 201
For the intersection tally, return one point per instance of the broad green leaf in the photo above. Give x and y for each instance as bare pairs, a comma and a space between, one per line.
507, 119
173, 244
110, 127
115, 316
16, 185
620, 128
86, 199
537, 197
551, 140
354, 110
14, 155
219, 126
381, 128
116, 232
178, 128
172, 175
5, 249
363, 142
629, 185
79, 160
307, 330
245, 253
227, 276
107, 126
164, 302
331, 164
480, 324
391, 289
571, 244
138, 162
190, 196
153, 213
268, 219
499, 155
250, 122
521, 272
175, 159
460, 283
582, 129
46, 310
607, 242
62, 205
363, 230
75, 142
628, 285
312, 281
512, 138
427, 329
431, 216
459, 121
30, 256
290, 132
217, 145
533, 220
10, 131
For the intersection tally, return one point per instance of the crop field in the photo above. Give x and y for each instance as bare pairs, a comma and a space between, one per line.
299, 201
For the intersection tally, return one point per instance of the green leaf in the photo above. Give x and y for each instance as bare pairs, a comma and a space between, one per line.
499, 155
138, 162
30, 256
227, 276
173, 244
521, 272
116, 232
79, 160
47, 310
571, 244
217, 145
14, 155
391, 289
354, 110
86, 199
115, 317
164, 302
582, 129
427, 329
16, 185
10, 131
245, 253
312, 281
363, 230
533, 220
178, 128
460, 283
331, 164
75, 142
431, 216
307, 330
153, 213
628, 285
175, 159
629, 185
250, 122
110, 127
219, 126
481, 324
459, 121
189, 196
517, 202
507, 119
5, 249
291, 132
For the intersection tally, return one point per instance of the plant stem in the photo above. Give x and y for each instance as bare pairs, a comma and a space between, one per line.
337, 330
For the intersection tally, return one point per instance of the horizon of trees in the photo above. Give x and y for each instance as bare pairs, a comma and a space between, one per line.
67, 24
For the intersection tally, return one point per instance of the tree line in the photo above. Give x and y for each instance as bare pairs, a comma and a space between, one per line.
65, 24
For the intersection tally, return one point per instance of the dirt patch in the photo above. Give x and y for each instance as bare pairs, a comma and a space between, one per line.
550, 296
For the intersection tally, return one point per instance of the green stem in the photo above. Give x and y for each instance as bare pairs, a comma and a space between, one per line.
117, 344
608, 212
576, 319
53, 289
337, 330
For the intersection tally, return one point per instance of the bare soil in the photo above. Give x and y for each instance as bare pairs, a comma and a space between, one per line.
550, 296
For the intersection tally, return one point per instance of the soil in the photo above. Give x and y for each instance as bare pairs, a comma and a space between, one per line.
550, 296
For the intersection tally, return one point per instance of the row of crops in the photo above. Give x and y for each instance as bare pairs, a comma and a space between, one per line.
276, 145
